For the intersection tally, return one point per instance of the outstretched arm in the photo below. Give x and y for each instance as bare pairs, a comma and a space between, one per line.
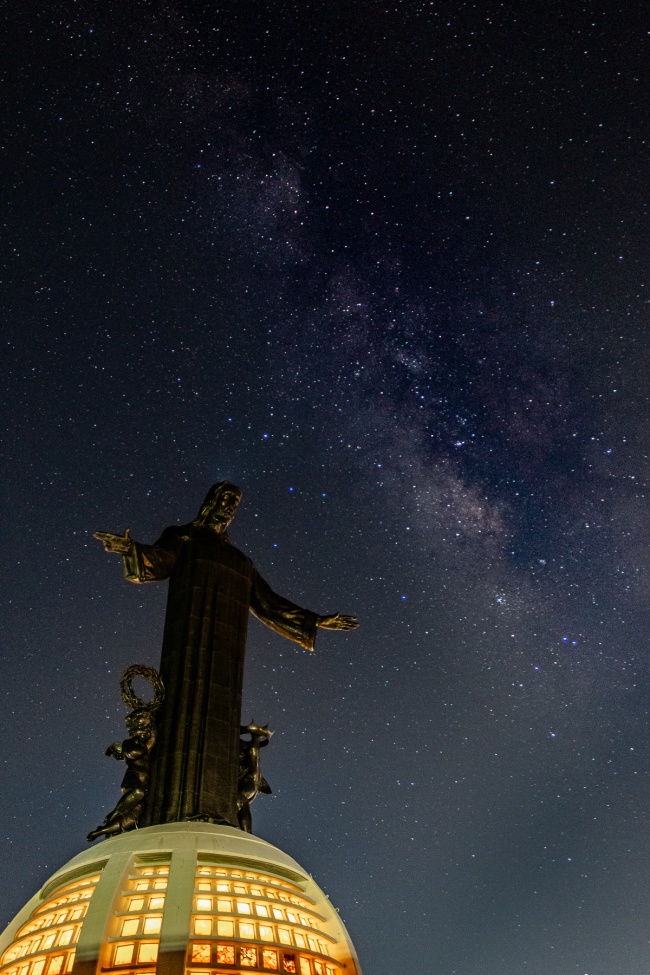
144, 563
292, 621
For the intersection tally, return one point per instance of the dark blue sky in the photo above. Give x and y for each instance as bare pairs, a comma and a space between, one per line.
385, 267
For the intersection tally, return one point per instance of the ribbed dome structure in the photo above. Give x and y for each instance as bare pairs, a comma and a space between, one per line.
179, 899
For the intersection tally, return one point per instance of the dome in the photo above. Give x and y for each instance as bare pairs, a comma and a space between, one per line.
179, 899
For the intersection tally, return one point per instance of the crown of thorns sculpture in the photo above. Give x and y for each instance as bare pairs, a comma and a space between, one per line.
129, 696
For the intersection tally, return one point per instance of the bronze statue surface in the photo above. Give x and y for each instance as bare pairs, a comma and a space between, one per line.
212, 589
135, 751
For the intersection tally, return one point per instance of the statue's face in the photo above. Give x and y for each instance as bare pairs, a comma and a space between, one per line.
225, 506
139, 727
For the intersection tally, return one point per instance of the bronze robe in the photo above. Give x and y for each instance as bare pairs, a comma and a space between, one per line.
212, 588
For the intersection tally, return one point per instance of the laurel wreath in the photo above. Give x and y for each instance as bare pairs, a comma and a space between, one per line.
129, 696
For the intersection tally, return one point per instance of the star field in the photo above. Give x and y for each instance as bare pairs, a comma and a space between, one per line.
385, 267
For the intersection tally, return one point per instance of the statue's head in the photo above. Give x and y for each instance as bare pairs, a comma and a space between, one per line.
140, 724
220, 505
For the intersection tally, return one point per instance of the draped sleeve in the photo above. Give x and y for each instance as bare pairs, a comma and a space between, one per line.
152, 563
281, 615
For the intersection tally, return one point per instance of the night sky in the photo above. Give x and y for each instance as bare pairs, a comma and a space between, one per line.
385, 266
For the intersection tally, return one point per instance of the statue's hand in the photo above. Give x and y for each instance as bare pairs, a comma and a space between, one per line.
121, 544
338, 622
115, 749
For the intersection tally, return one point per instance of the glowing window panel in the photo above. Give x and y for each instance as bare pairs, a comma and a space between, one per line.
246, 929
319, 968
136, 903
67, 936
323, 947
160, 885
223, 905
48, 941
123, 954
266, 932
203, 886
70, 962
203, 926
277, 913
235, 873
271, 894
56, 965
313, 944
130, 926
225, 954
156, 903
292, 917
284, 936
283, 897
270, 959
239, 889
223, 888
330, 970
204, 903
300, 939
37, 967
256, 891
262, 910
243, 907
204, 871
201, 954
141, 885
289, 963
152, 924
248, 956
226, 929
304, 920
147, 952
305, 967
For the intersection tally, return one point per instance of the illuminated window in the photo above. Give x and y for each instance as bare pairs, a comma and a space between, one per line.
305, 968
289, 963
225, 954
292, 917
156, 903
56, 964
319, 968
223, 905
284, 935
152, 924
130, 926
256, 891
262, 910
201, 954
123, 954
248, 956
270, 959
203, 886
239, 889
226, 929
266, 932
243, 907
203, 926
160, 885
223, 888
246, 929
136, 903
204, 903
313, 944
278, 914
300, 939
